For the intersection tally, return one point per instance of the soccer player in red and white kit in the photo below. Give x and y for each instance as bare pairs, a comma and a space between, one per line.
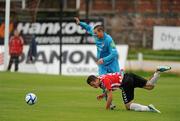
126, 82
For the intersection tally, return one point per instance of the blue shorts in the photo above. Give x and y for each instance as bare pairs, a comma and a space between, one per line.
110, 68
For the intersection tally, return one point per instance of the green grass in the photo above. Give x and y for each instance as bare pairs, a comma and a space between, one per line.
149, 54
68, 98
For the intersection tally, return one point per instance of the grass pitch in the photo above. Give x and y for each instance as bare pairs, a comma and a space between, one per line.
69, 98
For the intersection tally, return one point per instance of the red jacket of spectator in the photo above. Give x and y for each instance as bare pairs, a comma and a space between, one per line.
16, 45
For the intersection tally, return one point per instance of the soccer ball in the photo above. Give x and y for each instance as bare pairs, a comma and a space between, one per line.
31, 98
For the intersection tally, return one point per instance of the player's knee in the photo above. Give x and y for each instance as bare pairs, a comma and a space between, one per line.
127, 105
149, 86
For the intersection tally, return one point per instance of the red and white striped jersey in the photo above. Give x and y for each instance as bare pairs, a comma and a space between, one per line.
111, 81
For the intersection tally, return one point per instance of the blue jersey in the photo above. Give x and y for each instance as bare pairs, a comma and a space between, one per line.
106, 50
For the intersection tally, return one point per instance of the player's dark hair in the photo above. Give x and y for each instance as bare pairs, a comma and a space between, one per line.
91, 78
99, 27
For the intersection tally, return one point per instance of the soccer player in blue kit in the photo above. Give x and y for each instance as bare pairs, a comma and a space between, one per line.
107, 55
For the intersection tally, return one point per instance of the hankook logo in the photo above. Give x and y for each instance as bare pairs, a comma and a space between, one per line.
52, 28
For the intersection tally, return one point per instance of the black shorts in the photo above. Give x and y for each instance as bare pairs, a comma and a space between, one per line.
129, 82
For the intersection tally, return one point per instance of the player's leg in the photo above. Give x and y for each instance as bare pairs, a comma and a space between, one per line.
156, 75
140, 82
128, 96
16, 62
10, 63
136, 107
130, 81
127, 88
142, 108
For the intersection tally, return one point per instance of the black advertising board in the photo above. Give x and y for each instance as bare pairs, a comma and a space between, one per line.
47, 32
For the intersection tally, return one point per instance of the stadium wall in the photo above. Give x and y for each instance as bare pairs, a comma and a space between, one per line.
128, 21
131, 21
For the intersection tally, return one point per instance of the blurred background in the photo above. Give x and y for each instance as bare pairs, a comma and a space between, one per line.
150, 29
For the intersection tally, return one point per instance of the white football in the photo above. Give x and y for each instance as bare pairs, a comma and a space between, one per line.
31, 98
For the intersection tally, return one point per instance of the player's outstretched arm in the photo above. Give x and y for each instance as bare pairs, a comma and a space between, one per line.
84, 25
77, 20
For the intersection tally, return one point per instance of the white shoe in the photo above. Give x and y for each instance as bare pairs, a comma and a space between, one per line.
153, 109
163, 68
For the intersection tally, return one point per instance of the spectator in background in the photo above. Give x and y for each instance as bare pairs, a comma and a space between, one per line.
32, 50
16, 43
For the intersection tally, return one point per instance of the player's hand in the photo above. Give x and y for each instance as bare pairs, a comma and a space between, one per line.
100, 61
77, 20
100, 97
